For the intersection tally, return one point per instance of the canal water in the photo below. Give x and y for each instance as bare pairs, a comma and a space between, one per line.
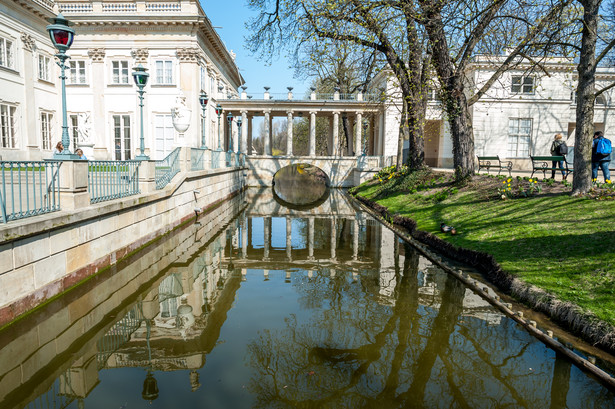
261, 306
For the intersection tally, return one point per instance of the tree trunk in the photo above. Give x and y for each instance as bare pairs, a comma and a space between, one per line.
586, 95
348, 134
452, 94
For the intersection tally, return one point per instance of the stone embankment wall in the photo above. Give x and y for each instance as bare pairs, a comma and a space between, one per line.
43, 256
33, 362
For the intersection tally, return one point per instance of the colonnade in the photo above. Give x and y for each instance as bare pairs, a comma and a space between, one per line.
356, 149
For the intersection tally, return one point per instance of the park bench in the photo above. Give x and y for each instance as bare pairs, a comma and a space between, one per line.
488, 162
545, 163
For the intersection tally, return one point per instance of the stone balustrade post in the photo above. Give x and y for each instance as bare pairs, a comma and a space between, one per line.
147, 176
74, 184
312, 140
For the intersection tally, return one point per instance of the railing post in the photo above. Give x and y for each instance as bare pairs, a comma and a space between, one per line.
147, 176
184, 159
74, 185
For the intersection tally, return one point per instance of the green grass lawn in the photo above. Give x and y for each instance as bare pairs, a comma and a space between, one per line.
562, 244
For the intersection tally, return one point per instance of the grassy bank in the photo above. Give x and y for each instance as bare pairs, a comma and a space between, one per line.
536, 230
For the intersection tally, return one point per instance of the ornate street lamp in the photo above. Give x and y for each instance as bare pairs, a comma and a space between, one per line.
140, 76
203, 99
62, 38
229, 119
219, 112
239, 121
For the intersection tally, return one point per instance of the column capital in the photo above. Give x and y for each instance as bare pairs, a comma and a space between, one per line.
97, 54
313, 112
244, 112
140, 55
28, 42
267, 111
186, 54
336, 112
290, 112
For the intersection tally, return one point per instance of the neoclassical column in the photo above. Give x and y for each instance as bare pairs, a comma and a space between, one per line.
312, 141
333, 238
30, 110
335, 149
311, 238
355, 239
249, 126
98, 116
267, 238
358, 125
289, 133
189, 69
289, 238
243, 146
267, 124
244, 240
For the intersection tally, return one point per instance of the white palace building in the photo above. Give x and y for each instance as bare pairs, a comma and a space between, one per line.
517, 117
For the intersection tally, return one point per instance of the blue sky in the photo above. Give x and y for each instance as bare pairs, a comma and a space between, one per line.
231, 16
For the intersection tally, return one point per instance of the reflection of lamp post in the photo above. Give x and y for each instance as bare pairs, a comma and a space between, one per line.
239, 134
365, 125
62, 38
150, 385
219, 112
229, 119
203, 99
140, 76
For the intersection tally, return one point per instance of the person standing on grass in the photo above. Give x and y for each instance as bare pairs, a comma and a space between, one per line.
601, 156
558, 148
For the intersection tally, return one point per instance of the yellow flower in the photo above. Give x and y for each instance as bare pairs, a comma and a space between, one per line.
535, 181
504, 182
531, 180
509, 179
608, 181
509, 184
391, 175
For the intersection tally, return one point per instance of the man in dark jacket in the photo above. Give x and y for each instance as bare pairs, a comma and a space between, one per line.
600, 160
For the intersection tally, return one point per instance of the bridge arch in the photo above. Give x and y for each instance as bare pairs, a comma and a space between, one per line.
340, 170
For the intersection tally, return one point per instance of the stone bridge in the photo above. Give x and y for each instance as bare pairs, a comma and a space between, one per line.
343, 171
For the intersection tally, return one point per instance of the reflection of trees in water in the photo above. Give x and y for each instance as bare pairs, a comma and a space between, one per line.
357, 352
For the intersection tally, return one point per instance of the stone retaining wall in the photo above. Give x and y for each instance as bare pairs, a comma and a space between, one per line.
43, 256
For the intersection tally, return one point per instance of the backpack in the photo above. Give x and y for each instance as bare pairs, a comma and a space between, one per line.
603, 147
562, 149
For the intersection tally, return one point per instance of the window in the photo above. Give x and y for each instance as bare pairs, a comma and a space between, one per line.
119, 74
7, 125
433, 95
6, 53
522, 84
44, 71
203, 78
165, 135
600, 99
76, 72
121, 131
73, 130
164, 72
212, 85
46, 124
519, 134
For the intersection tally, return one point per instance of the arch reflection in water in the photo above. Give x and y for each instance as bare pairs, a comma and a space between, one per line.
263, 306
301, 184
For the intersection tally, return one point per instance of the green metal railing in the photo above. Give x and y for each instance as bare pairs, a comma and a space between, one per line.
167, 168
29, 189
112, 179
118, 335
197, 158
215, 159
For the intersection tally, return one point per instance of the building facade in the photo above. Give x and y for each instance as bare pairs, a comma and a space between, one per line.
174, 40
517, 117
29, 84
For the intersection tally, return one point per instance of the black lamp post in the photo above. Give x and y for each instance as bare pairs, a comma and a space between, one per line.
203, 99
239, 122
140, 76
62, 38
229, 119
219, 112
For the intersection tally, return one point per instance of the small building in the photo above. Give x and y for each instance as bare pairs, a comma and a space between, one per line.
517, 117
